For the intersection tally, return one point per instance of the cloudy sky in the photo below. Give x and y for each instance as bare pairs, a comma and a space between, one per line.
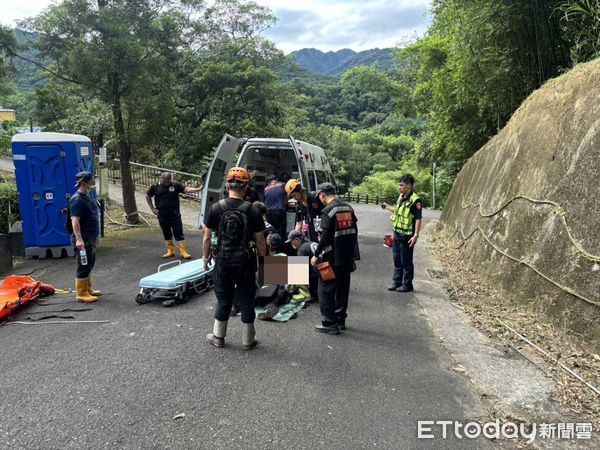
322, 24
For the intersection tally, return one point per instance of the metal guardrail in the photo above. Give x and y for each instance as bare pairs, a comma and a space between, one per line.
365, 198
145, 176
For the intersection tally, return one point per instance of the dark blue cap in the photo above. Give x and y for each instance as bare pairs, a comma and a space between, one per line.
84, 176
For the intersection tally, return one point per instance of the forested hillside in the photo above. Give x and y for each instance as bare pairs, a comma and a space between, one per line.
337, 63
165, 86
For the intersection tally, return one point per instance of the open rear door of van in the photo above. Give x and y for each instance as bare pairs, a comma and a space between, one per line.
214, 183
301, 166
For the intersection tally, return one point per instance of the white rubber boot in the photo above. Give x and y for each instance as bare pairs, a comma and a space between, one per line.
248, 336
217, 337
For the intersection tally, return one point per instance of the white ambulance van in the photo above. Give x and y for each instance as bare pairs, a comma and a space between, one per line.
284, 158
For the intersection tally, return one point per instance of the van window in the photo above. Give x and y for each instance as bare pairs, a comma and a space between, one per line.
321, 176
311, 180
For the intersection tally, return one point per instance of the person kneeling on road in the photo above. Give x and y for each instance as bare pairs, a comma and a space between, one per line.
338, 247
237, 224
307, 248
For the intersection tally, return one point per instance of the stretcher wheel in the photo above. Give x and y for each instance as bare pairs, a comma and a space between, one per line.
142, 298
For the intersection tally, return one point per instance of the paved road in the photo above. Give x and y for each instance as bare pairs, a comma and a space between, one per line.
120, 384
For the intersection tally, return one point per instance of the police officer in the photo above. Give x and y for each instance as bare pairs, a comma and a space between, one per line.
406, 219
84, 221
234, 283
308, 209
339, 247
166, 206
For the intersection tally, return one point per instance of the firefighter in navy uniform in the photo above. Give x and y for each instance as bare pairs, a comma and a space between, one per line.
338, 245
406, 219
308, 209
166, 207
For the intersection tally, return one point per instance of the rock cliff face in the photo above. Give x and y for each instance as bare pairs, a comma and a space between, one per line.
528, 204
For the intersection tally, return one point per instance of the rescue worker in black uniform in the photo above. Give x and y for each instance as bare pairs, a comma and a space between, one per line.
238, 283
406, 220
308, 209
338, 245
166, 207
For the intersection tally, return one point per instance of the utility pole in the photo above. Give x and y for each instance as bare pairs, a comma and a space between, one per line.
433, 167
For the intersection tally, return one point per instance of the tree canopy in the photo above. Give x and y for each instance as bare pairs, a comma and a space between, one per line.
164, 79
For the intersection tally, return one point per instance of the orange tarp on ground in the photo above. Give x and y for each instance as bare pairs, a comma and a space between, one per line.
17, 290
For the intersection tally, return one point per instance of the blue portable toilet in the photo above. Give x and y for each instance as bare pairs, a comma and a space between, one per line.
45, 169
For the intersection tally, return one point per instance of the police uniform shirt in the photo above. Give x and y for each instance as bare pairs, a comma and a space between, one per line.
81, 206
255, 220
416, 209
166, 198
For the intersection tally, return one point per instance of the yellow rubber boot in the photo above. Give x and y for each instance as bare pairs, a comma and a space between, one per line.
170, 249
183, 251
91, 291
303, 295
82, 291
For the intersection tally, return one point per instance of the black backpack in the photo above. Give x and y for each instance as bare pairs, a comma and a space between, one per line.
68, 224
67, 212
233, 249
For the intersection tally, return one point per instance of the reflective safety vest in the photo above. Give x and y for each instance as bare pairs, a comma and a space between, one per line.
403, 219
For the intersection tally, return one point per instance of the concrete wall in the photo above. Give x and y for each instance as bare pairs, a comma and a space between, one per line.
549, 151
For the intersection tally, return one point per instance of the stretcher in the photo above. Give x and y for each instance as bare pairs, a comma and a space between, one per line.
178, 283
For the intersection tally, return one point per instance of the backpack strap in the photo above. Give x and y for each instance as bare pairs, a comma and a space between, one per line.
244, 207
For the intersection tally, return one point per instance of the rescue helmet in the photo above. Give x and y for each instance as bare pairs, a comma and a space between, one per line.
238, 174
292, 185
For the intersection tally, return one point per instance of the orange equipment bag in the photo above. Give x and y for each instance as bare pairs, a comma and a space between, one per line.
18, 290
326, 271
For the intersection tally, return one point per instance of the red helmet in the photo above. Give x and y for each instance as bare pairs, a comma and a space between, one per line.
238, 174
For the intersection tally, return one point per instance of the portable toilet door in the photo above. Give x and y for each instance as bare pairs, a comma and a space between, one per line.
45, 167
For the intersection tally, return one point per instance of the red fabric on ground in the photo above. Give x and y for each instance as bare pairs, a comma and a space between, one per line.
16, 290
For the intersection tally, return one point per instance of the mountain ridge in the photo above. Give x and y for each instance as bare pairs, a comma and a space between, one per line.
335, 63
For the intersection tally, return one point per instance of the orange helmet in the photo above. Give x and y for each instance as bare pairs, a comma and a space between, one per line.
292, 185
238, 174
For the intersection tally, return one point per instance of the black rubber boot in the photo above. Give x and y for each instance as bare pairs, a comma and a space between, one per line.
405, 288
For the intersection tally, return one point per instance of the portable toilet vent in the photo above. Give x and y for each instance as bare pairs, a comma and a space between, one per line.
45, 169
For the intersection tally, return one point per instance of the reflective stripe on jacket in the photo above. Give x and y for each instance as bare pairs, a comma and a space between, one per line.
403, 218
